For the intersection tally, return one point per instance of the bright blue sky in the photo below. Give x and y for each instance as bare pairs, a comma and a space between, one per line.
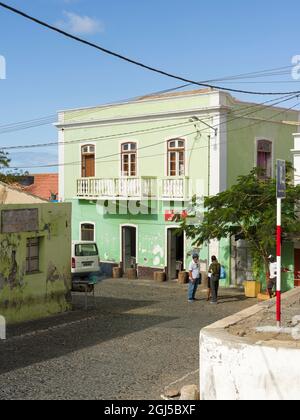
196, 39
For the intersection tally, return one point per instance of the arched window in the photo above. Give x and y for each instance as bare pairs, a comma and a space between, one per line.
176, 157
264, 157
88, 161
88, 232
129, 159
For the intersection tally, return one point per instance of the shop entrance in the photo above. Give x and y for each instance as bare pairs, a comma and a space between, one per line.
129, 247
175, 253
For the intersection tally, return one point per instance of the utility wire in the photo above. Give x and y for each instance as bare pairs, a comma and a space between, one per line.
102, 158
129, 60
144, 131
49, 119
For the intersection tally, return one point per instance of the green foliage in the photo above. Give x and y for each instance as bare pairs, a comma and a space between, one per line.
248, 209
6, 176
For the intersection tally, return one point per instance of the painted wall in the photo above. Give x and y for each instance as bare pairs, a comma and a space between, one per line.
264, 124
26, 297
218, 165
235, 368
152, 233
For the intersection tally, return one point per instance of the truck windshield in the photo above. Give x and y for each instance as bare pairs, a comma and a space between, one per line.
86, 250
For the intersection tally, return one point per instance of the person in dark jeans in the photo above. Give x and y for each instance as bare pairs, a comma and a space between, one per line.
215, 271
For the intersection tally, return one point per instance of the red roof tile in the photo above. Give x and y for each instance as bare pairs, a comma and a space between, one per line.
45, 185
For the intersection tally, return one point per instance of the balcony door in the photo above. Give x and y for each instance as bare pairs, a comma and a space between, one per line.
128, 160
176, 158
88, 161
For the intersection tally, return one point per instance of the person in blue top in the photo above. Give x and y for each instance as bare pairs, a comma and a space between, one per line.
194, 278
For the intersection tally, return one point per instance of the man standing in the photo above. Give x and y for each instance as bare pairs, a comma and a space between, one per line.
215, 271
195, 278
273, 275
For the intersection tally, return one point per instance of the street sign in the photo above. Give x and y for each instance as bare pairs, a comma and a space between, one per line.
281, 179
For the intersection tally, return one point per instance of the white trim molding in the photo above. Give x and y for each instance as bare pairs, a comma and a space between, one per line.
87, 223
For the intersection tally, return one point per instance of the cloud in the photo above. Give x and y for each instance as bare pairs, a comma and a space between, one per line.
80, 25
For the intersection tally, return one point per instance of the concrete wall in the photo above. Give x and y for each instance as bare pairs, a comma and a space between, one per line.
28, 296
233, 368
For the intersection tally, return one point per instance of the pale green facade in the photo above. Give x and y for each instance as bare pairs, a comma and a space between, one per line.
27, 296
220, 136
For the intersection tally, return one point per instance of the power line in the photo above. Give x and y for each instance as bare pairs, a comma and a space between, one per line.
159, 143
129, 60
49, 119
99, 138
154, 129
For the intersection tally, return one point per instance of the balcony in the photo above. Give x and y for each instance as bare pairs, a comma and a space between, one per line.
133, 188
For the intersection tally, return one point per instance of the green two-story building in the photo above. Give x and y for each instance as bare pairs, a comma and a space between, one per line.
127, 168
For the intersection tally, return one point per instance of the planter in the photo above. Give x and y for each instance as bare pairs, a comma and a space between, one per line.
183, 277
252, 288
117, 272
131, 273
160, 276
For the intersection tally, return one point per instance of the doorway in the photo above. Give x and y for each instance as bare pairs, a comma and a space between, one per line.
129, 247
175, 253
241, 262
88, 161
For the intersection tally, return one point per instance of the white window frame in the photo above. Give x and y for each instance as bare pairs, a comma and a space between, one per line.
122, 143
258, 139
81, 145
167, 159
87, 223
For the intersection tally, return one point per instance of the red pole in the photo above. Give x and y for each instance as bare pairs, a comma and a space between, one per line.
278, 285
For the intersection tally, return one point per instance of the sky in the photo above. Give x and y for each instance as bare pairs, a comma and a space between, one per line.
46, 72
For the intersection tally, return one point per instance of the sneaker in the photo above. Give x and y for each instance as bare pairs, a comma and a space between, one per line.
191, 301
213, 303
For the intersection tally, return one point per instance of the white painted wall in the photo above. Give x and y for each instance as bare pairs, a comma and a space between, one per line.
236, 368
232, 370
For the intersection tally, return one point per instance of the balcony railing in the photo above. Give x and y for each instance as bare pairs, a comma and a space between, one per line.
175, 188
133, 188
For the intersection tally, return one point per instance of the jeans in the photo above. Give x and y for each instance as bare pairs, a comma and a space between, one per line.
214, 284
193, 288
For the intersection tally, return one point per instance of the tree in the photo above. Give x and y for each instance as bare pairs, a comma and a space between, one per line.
248, 210
4, 164
6, 176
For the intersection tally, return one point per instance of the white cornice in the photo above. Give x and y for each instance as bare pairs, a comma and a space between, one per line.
143, 118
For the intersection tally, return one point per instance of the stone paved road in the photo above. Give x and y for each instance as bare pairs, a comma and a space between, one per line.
140, 338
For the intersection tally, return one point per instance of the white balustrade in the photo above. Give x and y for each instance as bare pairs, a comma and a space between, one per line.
132, 188
173, 187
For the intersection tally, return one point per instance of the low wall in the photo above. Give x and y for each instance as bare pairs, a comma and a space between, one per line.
241, 368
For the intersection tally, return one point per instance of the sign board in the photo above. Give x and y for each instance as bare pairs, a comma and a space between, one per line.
281, 179
172, 215
16, 221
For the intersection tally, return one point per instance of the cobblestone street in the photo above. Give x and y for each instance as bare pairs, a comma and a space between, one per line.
141, 337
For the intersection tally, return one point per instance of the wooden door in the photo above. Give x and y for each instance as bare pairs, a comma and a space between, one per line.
88, 169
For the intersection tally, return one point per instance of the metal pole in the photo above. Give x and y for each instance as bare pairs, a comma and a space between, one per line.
278, 285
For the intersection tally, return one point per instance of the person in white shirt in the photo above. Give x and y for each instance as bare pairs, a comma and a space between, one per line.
272, 276
194, 277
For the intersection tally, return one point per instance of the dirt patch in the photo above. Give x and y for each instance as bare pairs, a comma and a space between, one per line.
266, 317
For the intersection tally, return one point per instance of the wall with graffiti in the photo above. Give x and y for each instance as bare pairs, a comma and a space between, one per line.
35, 246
